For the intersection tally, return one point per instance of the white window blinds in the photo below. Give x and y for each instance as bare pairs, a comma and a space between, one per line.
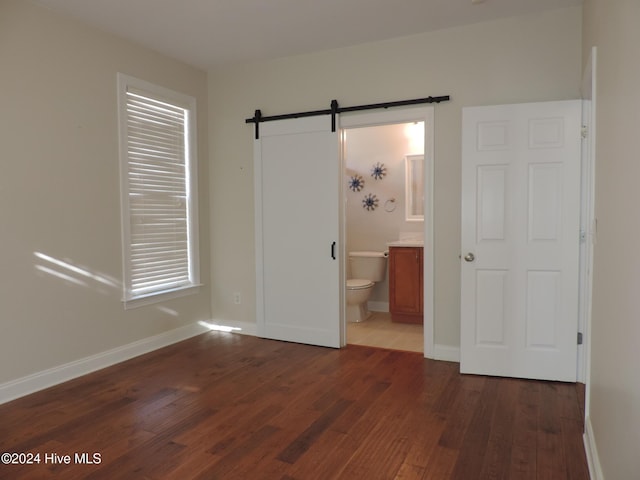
157, 216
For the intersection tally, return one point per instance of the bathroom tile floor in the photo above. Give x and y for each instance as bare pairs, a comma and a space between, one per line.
379, 331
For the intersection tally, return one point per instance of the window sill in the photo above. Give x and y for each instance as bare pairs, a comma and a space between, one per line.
156, 297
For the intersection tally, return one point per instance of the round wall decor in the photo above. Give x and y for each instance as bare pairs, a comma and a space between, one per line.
370, 202
356, 183
378, 171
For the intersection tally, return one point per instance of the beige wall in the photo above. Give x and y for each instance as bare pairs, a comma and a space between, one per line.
531, 58
612, 26
59, 191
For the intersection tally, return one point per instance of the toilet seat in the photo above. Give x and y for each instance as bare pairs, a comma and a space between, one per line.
358, 284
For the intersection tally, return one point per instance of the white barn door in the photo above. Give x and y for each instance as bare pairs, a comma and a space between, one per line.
297, 174
520, 240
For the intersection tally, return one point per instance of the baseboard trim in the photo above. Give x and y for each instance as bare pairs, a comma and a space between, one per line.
446, 353
62, 373
378, 306
591, 450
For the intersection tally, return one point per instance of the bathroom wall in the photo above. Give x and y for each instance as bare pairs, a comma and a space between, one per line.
373, 229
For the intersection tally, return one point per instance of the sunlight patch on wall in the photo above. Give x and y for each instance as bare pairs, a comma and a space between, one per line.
61, 275
71, 273
168, 311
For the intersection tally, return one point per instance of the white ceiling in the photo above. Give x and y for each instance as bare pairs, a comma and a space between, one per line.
214, 33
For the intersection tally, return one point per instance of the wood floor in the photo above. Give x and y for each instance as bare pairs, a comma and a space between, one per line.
226, 406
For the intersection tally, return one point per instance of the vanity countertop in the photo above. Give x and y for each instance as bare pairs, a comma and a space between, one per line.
406, 243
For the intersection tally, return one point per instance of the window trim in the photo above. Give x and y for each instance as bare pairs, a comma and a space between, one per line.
126, 82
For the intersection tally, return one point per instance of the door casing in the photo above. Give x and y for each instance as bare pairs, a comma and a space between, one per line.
403, 115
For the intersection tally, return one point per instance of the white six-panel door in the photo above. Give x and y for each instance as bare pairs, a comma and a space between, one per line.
520, 240
297, 174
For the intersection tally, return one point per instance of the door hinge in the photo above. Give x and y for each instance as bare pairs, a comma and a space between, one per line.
579, 338
583, 236
584, 131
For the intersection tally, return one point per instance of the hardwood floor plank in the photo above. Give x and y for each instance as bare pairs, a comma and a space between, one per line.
409, 471
383, 452
571, 397
428, 425
222, 468
441, 463
551, 458
305, 440
33, 440
335, 449
522, 464
427, 430
236, 407
156, 452
474, 447
500, 441
458, 409
575, 458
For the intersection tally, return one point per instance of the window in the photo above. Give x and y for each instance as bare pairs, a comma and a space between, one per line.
158, 192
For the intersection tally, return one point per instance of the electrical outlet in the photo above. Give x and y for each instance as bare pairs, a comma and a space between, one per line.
236, 298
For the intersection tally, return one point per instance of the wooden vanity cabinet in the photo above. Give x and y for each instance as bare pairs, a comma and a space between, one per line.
406, 284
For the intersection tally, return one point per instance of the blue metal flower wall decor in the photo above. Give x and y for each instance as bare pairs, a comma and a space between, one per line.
378, 171
370, 202
356, 183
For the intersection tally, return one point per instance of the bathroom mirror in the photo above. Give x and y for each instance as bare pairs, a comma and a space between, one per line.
414, 188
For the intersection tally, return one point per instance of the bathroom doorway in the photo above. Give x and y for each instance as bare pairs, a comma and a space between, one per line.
387, 160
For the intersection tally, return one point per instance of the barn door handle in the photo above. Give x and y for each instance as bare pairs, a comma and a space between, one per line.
333, 250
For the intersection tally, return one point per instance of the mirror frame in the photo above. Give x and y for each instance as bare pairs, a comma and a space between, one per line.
410, 201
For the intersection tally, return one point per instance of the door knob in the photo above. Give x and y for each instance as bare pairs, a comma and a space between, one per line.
469, 257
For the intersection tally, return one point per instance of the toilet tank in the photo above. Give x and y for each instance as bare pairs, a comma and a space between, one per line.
368, 265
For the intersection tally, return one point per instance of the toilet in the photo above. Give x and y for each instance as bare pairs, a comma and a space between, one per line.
367, 268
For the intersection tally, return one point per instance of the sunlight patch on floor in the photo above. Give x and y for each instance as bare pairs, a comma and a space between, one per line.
219, 328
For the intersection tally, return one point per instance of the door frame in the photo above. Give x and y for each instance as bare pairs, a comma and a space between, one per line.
391, 116
588, 222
